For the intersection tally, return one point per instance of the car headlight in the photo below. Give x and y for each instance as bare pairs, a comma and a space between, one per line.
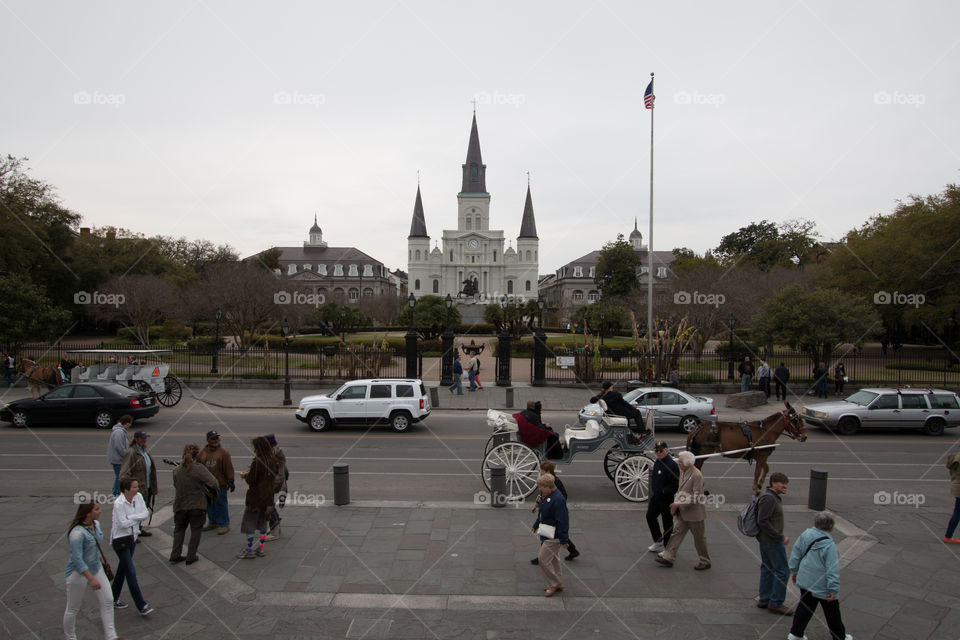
821, 414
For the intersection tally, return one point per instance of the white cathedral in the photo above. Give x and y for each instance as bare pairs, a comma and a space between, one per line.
473, 253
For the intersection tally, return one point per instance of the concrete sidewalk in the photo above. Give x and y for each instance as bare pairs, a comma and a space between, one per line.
452, 570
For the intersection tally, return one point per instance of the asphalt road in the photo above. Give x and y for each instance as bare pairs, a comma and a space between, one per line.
440, 459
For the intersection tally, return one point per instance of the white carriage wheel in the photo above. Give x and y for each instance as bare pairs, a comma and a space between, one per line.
632, 478
522, 464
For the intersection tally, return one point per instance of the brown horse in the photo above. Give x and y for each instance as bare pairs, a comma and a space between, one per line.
38, 376
727, 436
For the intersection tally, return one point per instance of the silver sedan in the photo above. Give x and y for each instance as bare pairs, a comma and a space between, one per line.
672, 407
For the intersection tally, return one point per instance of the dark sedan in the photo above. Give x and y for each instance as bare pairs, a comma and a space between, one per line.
94, 404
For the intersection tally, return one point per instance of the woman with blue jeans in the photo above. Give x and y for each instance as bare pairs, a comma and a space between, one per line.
129, 511
953, 463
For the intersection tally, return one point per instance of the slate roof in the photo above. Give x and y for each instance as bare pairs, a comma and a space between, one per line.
528, 226
418, 226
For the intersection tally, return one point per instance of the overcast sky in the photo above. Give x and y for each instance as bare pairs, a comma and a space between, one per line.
238, 121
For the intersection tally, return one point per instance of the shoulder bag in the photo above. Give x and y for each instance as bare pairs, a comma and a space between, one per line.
103, 559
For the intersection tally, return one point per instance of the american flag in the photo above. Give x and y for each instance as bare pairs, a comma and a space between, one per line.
648, 96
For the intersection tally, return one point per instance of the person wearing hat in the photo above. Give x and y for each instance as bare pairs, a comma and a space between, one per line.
664, 480
138, 464
218, 462
617, 406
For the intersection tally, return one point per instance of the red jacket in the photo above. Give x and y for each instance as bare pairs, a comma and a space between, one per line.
531, 434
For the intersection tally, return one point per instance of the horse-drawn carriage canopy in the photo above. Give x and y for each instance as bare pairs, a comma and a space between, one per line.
135, 374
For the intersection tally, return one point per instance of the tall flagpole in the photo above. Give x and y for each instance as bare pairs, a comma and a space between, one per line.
650, 239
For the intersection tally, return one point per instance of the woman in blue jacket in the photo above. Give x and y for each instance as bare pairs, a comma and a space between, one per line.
553, 512
815, 569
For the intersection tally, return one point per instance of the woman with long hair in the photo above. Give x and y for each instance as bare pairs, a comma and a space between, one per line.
263, 480
84, 568
194, 487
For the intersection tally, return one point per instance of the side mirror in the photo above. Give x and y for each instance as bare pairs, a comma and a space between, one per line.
339, 396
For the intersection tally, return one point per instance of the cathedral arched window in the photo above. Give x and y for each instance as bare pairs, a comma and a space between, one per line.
451, 255
528, 255
418, 254
509, 286
436, 286
469, 222
416, 284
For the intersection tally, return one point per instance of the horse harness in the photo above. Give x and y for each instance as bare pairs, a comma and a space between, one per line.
713, 435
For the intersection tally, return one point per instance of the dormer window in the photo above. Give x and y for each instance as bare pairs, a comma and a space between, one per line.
338, 270
368, 271
661, 272
352, 271
322, 269
593, 270
291, 269
308, 267
644, 271
578, 272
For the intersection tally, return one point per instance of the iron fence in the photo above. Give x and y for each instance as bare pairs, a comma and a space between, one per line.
920, 367
334, 362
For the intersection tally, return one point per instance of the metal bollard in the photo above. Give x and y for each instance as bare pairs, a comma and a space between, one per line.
435, 397
817, 497
498, 486
509, 401
341, 484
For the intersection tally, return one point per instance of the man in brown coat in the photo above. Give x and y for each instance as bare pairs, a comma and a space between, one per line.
138, 464
218, 462
689, 513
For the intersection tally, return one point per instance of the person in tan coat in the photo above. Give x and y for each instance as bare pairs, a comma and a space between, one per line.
138, 464
195, 487
689, 513
953, 463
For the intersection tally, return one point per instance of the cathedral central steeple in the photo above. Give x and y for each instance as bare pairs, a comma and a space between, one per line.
474, 171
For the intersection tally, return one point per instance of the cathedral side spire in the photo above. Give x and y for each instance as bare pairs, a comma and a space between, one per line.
418, 226
474, 171
528, 225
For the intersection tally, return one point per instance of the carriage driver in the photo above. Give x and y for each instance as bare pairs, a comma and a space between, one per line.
617, 406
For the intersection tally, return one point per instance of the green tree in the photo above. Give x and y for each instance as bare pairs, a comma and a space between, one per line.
908, 263
429, 316
765, 245
601, 318
520, 314
616, 269
340, 318
28, 314
814, 320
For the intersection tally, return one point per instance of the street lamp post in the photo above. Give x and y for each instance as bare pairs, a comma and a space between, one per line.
503, 347
285, 332
603, 319
216, 343
539, 349
732, 321
411, 340
343, 325
446, 363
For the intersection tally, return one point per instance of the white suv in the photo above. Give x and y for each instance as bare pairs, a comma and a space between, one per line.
397, 402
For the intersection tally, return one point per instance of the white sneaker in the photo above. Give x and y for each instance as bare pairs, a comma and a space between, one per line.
848, 637
790, 636
656, 547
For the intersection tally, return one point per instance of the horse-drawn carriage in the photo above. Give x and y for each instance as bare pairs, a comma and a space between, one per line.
627, 463
133, 371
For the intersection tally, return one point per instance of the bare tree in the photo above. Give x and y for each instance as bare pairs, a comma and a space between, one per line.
138, 301
247, 294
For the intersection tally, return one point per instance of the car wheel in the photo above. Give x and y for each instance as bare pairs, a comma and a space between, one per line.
848, 426
104, 419
934, 427
318, 420
400, 421
20, 419
689, 423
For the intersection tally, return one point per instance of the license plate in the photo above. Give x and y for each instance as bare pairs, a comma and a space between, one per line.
147, 401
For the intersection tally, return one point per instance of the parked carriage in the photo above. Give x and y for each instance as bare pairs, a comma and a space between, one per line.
627, 462
143, 376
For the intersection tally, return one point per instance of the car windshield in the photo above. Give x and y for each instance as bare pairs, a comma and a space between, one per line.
631, 396
863, 398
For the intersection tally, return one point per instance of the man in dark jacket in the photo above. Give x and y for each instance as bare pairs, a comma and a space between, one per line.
780, 377
774, 570
664, 479
746, 374
617, 406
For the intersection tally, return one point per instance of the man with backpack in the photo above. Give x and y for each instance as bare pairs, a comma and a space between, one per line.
773, 547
